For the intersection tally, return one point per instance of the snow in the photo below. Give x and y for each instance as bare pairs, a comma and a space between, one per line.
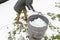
38, 23
7, 14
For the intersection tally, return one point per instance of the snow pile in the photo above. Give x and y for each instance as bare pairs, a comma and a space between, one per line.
38, 23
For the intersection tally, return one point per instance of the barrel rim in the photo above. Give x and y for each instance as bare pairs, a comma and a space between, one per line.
36, 18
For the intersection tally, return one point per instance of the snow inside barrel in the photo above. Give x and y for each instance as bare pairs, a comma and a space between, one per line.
37, 26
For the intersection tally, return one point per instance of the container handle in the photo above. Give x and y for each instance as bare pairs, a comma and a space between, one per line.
39, 13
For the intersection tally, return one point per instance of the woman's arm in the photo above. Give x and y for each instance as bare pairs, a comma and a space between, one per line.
32, 7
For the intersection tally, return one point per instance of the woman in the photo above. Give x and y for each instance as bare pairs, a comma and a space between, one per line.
20, 6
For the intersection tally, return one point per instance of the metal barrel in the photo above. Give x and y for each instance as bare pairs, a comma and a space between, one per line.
36, 33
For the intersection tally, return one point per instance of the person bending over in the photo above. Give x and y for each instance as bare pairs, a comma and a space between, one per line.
21, 6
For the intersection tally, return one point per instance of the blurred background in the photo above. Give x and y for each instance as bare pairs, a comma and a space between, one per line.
49, 8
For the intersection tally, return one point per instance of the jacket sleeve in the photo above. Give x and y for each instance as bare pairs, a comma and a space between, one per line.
31, 7
29, 4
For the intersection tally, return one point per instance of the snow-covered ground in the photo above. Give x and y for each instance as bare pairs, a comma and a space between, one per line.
7, 14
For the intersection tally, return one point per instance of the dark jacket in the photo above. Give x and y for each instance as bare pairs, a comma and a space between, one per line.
20, 5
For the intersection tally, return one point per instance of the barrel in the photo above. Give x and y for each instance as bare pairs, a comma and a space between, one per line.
36, 33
